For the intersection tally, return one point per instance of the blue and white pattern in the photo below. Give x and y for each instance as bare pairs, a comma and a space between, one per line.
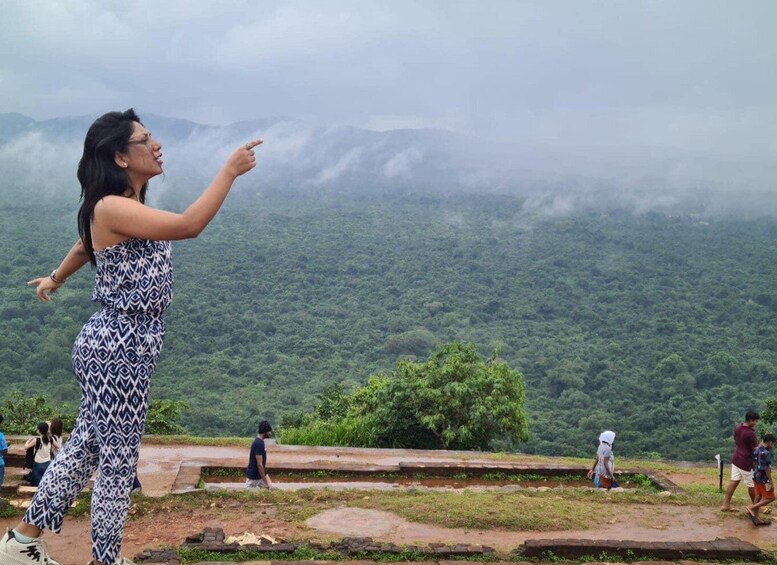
114, 357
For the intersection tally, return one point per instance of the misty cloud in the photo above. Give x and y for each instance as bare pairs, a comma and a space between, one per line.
301, 156
400, 164
42, 165
349, 161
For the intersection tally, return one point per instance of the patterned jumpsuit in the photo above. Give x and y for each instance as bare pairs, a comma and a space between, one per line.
114, 357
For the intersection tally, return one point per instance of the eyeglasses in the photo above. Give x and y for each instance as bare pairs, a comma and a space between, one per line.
145, 140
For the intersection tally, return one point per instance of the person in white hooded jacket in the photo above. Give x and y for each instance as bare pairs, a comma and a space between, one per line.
603, 471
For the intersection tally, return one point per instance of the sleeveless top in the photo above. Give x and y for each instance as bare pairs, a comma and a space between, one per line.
43, 453
134, 283
135, 277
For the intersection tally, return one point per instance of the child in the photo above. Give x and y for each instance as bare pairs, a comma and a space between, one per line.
762, 478
3, 451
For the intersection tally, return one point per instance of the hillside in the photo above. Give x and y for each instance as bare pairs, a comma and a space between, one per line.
659, 328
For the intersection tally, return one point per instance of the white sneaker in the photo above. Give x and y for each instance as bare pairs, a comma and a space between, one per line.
13, 552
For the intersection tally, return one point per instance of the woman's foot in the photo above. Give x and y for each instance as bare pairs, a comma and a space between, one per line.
14, 552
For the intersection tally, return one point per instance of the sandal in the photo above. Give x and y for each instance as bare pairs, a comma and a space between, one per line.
753, 518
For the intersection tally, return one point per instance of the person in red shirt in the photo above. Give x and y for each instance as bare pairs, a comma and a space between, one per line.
742, 460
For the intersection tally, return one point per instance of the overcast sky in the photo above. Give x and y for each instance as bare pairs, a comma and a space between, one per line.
698, 74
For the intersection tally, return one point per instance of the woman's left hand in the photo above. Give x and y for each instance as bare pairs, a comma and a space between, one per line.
45, 287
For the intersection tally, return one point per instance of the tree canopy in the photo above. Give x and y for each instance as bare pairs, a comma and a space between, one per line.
454, 400
660, 328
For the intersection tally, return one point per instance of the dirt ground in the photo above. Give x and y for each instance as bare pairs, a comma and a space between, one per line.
159, 466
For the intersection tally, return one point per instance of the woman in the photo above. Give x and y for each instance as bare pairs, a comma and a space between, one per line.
55, 430
41, 444
115, 354
603, 471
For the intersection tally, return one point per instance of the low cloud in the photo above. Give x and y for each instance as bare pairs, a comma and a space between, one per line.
400, 165
300, 156
348, 162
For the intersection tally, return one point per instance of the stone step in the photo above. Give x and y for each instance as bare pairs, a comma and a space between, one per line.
721, 549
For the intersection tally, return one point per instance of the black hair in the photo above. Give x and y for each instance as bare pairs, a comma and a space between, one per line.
1, 418
264, 427
98, 172
43, 430
769, 436
752, 415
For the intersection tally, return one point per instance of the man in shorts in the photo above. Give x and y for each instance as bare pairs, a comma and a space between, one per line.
762, 478
742, 460
256, 472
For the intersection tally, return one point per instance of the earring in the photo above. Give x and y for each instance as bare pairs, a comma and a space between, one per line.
124, 164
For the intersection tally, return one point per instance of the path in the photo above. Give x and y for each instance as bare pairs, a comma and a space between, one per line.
159, 466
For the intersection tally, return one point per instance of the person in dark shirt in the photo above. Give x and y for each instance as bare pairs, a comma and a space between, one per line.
742, 460
256, 472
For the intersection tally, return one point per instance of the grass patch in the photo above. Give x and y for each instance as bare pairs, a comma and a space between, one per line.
83, 504
10, 511
638, 479
301, 554
485, 510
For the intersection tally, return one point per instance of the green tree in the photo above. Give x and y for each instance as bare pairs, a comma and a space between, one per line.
769, 414
164, 417
22, 414
455, 400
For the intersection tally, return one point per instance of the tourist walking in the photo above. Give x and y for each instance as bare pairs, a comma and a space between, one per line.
603, 471
115, 354
745, 442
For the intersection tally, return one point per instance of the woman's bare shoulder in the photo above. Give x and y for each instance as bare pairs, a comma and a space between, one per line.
112, 201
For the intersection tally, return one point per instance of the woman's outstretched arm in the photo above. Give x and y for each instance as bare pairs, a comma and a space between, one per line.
129, 218
74, 260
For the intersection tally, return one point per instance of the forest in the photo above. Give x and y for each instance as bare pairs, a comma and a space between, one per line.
660, 328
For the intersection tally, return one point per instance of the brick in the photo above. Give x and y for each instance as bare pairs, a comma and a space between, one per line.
221, 547
282, 547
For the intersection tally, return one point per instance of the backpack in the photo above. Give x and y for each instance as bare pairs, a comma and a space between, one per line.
29, 455
761, 461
